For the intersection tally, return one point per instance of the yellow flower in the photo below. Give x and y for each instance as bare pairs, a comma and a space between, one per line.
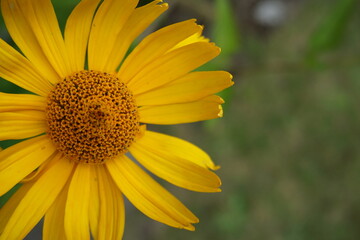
89, 109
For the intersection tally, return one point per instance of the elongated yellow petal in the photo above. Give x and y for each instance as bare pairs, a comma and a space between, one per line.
23, 115
54, 218
21, 24
148, 196
21, 124
182, 112
21, 159
20, 129
178, 171
94, 204
10, 206
136, 24
77, 204
178, 148
112, 212
37, 199
172, 66
77, 32
110, 18
15, 68
42, 18
154, 46
197, 37
193, 86
16, 102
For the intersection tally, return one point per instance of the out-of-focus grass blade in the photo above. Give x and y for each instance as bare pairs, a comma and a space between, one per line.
330, 32
226, 35
226, 32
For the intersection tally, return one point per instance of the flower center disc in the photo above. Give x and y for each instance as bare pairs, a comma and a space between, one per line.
92, 117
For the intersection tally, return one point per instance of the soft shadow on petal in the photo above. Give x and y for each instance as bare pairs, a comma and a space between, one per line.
38, 199
77, 32
21, 159
204, 109
191, 87
168, 145
77, 204
16, 69
148, 196
21, 124
172, 65
109, 19
178, 171
138, 21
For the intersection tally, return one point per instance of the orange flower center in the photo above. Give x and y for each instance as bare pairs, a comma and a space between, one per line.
92, 117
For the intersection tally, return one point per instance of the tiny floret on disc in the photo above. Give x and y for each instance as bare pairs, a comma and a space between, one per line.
92, 117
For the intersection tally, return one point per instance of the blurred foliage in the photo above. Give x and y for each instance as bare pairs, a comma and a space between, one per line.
330, 31
288, 144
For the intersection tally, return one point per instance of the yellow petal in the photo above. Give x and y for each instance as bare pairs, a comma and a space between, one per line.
23, 115
136, 24
21, 124
112, 212
77, 32
42, 18
178, 148
17, 102
172, 66
10, 206
191, 87
54, 218
110, 18
200, 110
148, 196
21, 159
178, 171
32, 25
15, 68
38, 199
94, 204
77, 204
197, 37
155, 45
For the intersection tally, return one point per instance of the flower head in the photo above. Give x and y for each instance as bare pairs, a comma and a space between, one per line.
88, 110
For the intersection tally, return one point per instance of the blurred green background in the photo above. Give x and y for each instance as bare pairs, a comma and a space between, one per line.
288, 144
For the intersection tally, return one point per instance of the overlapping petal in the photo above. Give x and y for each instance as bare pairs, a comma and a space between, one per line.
54, 218
19, 102
37, 199
204, 109
21, 124
166, 145
77, 204
34, 28
110, 18
176, 170
17, 69
171, 66
10, 206
136, 23
191, 87
111, 219
94, 204
148, 196
21, 159
77, 32
154, 46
